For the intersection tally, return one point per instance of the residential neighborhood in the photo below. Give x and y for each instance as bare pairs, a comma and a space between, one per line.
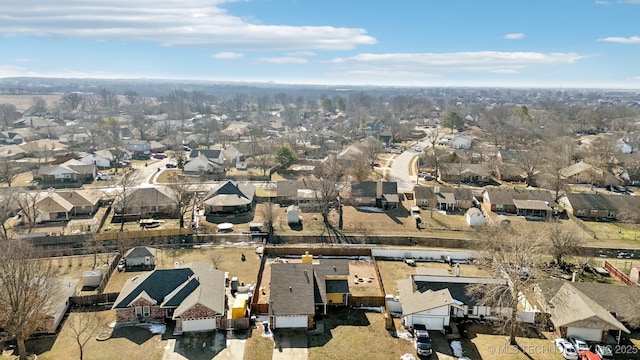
199, 229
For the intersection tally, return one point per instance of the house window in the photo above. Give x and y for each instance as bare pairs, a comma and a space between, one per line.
611, 214
138, 311
358, 200
425, 202
146, 312
499, 207
470, 311
581, 212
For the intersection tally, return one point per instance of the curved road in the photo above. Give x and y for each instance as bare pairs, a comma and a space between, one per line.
403, 169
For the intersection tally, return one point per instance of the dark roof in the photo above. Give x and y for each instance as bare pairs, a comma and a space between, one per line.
369, 188
364, 189
156, 284
593, 201
182, 294
209, 154
337, 286
292, 289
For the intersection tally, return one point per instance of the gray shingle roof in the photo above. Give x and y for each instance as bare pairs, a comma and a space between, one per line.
292, 289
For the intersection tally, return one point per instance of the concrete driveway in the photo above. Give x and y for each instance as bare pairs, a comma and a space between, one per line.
290, 345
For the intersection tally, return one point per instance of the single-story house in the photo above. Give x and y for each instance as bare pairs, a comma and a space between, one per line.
523, 202
382, 194
193, 296
11, 152
591, 206
429, 308
147, 201
464, 173
574, 313
298, 289
584, 173
466, 296
202, 165
72, 170
444, 198
140, 257
215, 156
462, 142
230, 197
137, 147
62, 205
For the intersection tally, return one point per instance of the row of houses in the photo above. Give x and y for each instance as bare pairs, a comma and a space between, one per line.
578, 309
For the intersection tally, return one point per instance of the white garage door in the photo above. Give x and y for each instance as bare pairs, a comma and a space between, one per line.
431, 323
199, 325
587, 334
291, 322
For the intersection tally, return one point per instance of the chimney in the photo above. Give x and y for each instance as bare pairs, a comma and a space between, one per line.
51, 191
574, 278
457, 270
378, 189
290, 289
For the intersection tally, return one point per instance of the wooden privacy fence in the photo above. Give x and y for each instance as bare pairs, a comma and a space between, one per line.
135, 234
235, 324
617, 273
93, 300
107, 275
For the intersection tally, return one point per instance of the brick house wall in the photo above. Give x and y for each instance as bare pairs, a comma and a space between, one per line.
197, 312
129, 314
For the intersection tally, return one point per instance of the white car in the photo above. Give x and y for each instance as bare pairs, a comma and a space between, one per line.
567, 349
579, 343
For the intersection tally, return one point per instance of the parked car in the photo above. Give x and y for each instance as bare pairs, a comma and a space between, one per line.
603, 351
159, 155
588, 355
566, 348
422, 342
142, 157
102, 176
375, 164
171, 166
579, 343
186, 148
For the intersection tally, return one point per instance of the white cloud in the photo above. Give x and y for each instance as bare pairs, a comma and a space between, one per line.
601, 2
227, 55
202, 23
514, 36
622, 40
503, 71
23, 60
283, 60
302, 54
635, 78
461, 61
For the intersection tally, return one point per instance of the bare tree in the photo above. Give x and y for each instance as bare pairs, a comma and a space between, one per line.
84, 325
28, 291
512, 254
132, 96
124, 194
72, 100
372, 147
8, 208
268, 218
530, 162
181, 192
8, 114
326, 185
207, 128
8, 171
27, 203
39, 105
562, 242
360, 167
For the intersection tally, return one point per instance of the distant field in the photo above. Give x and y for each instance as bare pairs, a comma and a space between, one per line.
23, 102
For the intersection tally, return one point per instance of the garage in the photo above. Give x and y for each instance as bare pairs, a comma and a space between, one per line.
293, 321
198, 325
585, 333
431, 323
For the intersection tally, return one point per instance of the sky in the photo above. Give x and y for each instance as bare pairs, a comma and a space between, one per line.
470, 43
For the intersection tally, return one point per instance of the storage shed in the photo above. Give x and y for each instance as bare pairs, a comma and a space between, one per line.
474, 217
239, 308
91, 278
293, 215
141, 256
